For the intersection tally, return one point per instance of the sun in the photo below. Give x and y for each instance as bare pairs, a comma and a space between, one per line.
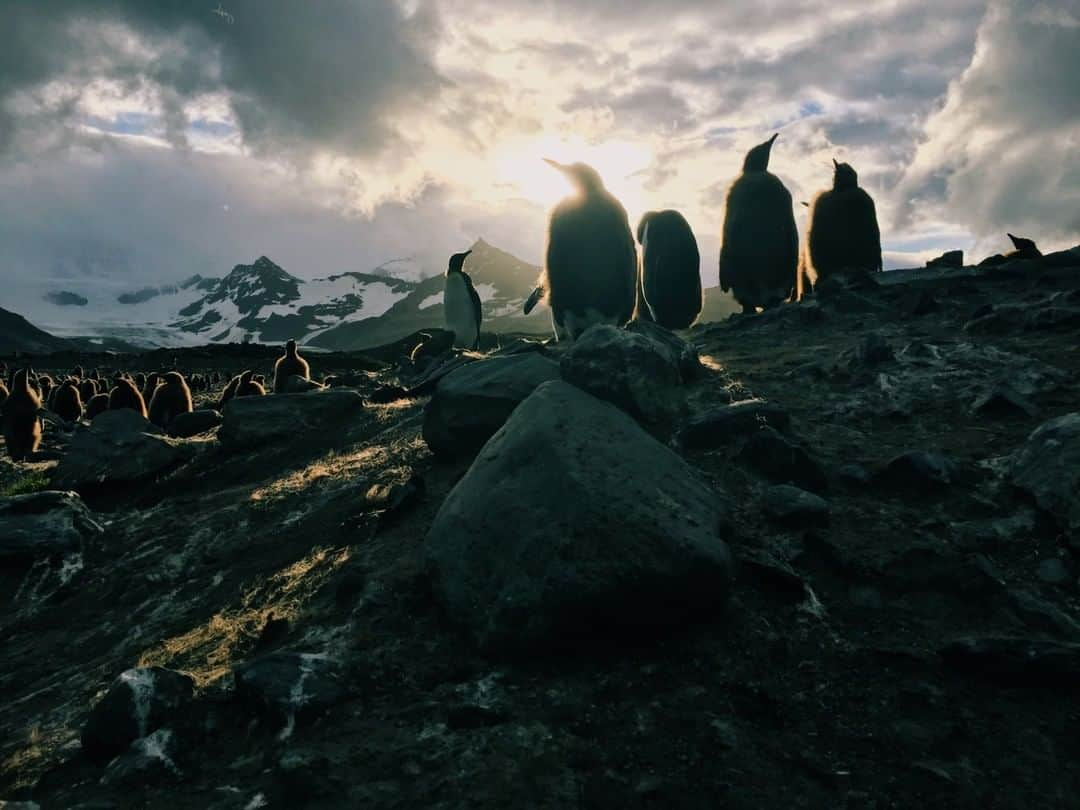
521, 169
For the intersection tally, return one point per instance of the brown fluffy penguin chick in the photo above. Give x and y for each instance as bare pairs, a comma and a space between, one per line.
3, 391
760, 249
67, 403
172, 398
125, 395
97, 405
19, 414
88, 390
247, 386
669, 286
229, 392
288, 365
843, 233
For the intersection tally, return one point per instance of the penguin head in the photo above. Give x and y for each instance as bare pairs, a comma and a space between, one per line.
643, 224
582, 175
1020, 243
457, 261
290, 347
757, 159
844, 176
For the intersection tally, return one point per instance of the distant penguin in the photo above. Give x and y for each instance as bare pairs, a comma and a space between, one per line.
152, 382
140, 380
3, 390
95, 375
77, 373
590, 268
125, 395
19, 415
44, 387
97, 405
288, 365
760, 249
248, 386
1024, 249
843, 233
229, 392
87, 389
670, 283
67, 403
461, 304
172, 398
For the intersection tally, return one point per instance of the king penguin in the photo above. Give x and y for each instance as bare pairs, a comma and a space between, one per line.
670, 285
590, 269
760, 249
843, 233
461, 304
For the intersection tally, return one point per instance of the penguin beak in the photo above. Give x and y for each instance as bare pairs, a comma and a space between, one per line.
772, 140
1012, 239
555, 164
835, 164
466, 253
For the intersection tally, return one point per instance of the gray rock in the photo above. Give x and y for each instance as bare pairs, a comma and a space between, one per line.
722, 425
950, 258
474, 401
1016, 661
628, 369
251, 421
682, 354
1003, 401
572, 522
139, 701
290, 687
1053, 571
149, 760
791, 506
42, 524
1048, 468
918, 470
1039, 614
119, 447
782, 461
872, 350
186, 425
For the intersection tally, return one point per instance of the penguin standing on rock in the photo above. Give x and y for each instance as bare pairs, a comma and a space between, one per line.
760, 251
670, 283
288, 365
461, 304
843, 235
590, 270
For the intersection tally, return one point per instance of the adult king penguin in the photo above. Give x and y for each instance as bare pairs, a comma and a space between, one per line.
843, 235
670, 270
461, 304
760, 251
590, 270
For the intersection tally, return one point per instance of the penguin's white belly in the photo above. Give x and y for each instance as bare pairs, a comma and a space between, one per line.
458, 306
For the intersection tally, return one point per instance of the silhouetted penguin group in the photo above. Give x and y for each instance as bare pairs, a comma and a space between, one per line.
592, 274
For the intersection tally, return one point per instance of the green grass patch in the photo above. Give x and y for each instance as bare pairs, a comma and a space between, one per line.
33, 482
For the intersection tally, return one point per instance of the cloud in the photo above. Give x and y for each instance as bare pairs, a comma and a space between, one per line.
295, 76
1003, 152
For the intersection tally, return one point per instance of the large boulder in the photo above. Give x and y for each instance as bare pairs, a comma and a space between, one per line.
119, 447
572, 522
251, 421
287, 687
42, 524
1048, 468
474, 401
139, 701
629, 369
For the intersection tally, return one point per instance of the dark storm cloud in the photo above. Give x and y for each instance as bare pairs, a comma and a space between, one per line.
325, 74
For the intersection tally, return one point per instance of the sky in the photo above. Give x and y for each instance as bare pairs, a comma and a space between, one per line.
143, 141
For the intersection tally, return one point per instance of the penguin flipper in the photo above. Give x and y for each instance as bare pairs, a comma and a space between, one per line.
533, 299
478, 307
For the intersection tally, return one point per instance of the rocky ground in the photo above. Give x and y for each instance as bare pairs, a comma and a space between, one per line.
832, 563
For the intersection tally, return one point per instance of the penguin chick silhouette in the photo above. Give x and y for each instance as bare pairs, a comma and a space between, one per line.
590, 268
67, 403
229, 391
843, 233
3, 390
670, 281
289, 364
760, 249
19, 415
1024, 249
171, 398
95, 406
87, 389
124, 394
152, 382
247, 386
461, 304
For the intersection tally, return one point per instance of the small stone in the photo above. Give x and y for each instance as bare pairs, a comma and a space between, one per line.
873, 349
721, 425
791, 506
186, 425
919, 470
783, 461
1053, 571
1004, 401
149, 760
289, 687
1048, 468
